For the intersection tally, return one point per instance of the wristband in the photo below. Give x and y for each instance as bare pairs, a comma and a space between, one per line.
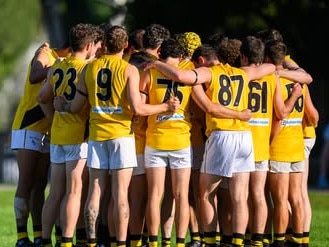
196, 76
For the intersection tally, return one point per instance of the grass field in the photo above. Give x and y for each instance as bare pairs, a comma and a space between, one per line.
319, 231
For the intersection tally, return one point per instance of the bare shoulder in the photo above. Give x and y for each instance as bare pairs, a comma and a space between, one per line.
132, 70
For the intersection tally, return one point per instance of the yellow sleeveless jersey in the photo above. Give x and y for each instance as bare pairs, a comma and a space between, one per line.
308, 131
140, 122
168, 131
186, 64
288, 145
110, 115
29, 114
68, 128
228, 87
261, 104
198, 116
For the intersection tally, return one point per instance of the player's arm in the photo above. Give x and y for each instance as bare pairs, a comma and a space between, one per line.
138, 107
80, 98
39, 66
217, 110
282, 108
191, 77
298, 75
311, 114
45, 97
257, 72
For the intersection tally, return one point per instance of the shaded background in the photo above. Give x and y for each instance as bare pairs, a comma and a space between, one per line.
302, 24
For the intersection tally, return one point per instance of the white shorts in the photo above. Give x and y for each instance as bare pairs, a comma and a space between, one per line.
228, 152
286, 167
197, 156
140, 169
113, 154
308, 145
174, 159
31, 140
60, 154
262, 166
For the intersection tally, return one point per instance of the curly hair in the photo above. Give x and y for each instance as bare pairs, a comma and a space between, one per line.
229, 51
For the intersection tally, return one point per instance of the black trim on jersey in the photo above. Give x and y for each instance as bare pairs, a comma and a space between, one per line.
32, 116
196, 76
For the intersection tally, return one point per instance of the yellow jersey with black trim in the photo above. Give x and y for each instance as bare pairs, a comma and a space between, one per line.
29, 114
228, 87
68, 128
288, 144
110, 116
197, 115
168, 131
261, 104
139, 123
308, 131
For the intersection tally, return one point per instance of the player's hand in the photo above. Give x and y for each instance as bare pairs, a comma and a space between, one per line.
58, 103
245, 115
297, 90
173, 104
147, 66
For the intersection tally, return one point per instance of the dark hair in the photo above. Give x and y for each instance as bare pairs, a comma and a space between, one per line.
206, 51
81, 34
276, 51
136, 38
154, 35
253, 48
115, 39
171, 48
268, 34
228, 51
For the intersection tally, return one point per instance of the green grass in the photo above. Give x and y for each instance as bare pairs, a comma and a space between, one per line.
319, 230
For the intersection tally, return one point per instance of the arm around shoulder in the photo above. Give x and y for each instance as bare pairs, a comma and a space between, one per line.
298, 75
39, 67
311, 114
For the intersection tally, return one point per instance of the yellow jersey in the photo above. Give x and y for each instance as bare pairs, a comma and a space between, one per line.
288, 144
168, 131
68, 128
140, 122
261, 104
228, 87
29, 114
110, 115
197, 115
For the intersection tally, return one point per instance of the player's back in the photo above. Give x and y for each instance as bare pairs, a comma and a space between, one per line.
288, 144
261, 104
230, 89
110, 115
168, 130
68, 128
